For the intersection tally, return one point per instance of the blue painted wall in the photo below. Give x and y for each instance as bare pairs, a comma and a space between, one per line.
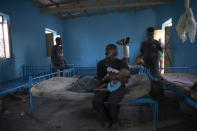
27, 36
85, 38
183, 54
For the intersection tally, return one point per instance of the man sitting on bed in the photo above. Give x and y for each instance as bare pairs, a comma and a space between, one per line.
112, 92
110, 114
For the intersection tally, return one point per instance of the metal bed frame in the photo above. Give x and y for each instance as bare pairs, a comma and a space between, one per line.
175, 91
153, 104
5, 91
22, 83
42, 70
70, 73
35, 80
179, 93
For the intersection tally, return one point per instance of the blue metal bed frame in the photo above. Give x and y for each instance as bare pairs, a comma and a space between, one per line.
32, 81
177, 92
71, 72
154, 106
28, 70
22, 83
14, 89
39, 70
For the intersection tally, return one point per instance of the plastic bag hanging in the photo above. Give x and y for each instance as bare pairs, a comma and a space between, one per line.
187, 24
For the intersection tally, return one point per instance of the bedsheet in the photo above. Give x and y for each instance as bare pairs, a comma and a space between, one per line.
58, 88
183, 82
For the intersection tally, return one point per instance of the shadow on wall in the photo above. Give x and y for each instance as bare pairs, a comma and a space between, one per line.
34, 58
7, 70
30, 56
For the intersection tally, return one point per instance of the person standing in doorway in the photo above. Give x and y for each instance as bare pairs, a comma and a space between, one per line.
151, 51
57, 56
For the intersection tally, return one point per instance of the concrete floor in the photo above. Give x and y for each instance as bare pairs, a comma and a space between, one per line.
79, 116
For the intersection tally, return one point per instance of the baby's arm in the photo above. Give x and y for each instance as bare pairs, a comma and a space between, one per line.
103, 87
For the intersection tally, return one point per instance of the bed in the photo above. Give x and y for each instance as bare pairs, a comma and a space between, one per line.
21, 84
54, 87
182, 84
59, 88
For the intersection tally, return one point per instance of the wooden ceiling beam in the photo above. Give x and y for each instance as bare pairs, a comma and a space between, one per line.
54, 3
99, 3
51, 5
84, 4
155, 6
71, 16
137, 4
57, 6
85, 11
121, 4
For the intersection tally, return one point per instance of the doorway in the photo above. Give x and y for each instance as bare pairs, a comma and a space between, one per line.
164, 35
50, 36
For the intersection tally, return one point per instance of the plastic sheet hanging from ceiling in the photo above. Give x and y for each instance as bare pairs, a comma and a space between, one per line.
187, 24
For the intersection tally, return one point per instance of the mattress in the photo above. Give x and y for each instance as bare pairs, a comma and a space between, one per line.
59, 88
183, 82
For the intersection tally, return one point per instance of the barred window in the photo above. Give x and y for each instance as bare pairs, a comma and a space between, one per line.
4, 38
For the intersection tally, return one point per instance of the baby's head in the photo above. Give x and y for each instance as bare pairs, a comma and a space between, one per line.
115, 75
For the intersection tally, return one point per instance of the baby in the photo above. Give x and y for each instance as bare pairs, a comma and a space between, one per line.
114, 82
115, 79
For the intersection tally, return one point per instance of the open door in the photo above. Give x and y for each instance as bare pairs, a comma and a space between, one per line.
49, 43
160, 36
168, 48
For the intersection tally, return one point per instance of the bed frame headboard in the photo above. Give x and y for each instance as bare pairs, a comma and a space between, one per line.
35, 71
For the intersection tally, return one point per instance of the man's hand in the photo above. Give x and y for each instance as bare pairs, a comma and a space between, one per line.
54, 67
104, 89
101, 89
104, 85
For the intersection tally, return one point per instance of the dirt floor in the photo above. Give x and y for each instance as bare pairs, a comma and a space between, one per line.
174, 115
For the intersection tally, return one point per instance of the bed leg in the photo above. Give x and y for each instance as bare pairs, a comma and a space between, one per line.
41, 100
155, 115
32, 104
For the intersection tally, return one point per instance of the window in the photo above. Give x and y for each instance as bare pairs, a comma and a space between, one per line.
4, 38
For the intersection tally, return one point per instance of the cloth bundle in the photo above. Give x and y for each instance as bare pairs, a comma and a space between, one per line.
84, 84
187, 24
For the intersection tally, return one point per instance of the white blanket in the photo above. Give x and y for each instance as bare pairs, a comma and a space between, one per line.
57, 88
